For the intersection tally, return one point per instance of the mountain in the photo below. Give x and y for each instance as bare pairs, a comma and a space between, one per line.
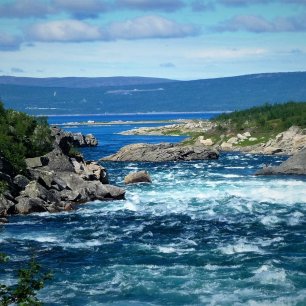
230, 93
80, 82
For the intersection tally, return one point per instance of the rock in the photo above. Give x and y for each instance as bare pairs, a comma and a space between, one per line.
5, 206
272, 150
253, 139
246, 134
59, 162
21, 181
233, 140
241, 137
163, 152
137, 177
205, 142
90, 140
294, 165
35, 190
37, 162
114, 192
28, 205
226, 146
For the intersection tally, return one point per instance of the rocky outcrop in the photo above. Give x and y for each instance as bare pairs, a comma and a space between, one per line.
294, 165
137, 177
163, 152
55, 182
65, 139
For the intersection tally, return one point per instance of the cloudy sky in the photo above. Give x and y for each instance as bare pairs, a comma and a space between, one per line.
180, 39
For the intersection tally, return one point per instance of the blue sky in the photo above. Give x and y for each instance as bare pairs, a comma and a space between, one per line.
176, 39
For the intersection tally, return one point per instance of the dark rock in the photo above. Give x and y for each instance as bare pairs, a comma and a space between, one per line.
21, 181
35, 190
3, 220
59, 162
294, 165
137, 177
162, 153
114, 192
30, 205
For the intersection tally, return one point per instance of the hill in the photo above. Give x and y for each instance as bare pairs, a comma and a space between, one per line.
231, 93
80, 82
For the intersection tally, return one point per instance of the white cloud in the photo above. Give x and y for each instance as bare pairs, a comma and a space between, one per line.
64, 31
132, 29
150, 27
259, 24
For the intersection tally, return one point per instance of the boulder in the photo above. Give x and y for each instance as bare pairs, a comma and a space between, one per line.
114, 192
294, 165
90, 140
5, 206
37, 162
137, 177
35, 190
21, 181
59, 162
233, 140
163, 152
226, 146
28, 205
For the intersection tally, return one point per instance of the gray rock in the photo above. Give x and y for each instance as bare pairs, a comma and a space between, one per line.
37, 162
162, 153
114, 192
294, 165
59, 162
5, 206
35, 190
21, 181
30, 205
137, 177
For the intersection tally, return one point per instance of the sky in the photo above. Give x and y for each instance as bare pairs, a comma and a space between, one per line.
176, 39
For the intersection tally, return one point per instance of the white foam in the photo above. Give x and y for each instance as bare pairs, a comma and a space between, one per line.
270, 220
267, 274
240, 247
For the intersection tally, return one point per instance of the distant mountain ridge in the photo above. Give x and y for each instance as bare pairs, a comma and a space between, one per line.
230, 93
81, 82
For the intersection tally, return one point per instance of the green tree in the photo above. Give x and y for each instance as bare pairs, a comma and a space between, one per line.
30, 280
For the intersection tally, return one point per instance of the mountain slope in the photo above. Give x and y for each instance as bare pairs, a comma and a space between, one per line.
233, 93
80, 82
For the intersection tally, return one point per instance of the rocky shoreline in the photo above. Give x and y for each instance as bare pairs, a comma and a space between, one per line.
287, 142
163, 152
56, 181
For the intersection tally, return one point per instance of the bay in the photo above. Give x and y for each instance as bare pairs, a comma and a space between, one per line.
204, 233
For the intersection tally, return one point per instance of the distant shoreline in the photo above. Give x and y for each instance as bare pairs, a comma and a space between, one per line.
130, 114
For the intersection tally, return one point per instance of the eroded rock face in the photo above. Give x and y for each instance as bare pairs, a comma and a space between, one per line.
162, 153
137, 177
294, 165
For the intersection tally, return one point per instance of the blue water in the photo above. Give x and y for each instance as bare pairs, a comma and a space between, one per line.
204, 233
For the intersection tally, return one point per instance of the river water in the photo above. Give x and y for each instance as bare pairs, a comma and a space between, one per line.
204, 233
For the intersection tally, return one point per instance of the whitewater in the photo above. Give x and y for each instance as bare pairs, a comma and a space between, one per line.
204, 233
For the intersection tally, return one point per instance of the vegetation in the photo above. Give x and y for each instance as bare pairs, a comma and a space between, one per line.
266, 118
262, 122
3, 188
22, 136
30, 280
